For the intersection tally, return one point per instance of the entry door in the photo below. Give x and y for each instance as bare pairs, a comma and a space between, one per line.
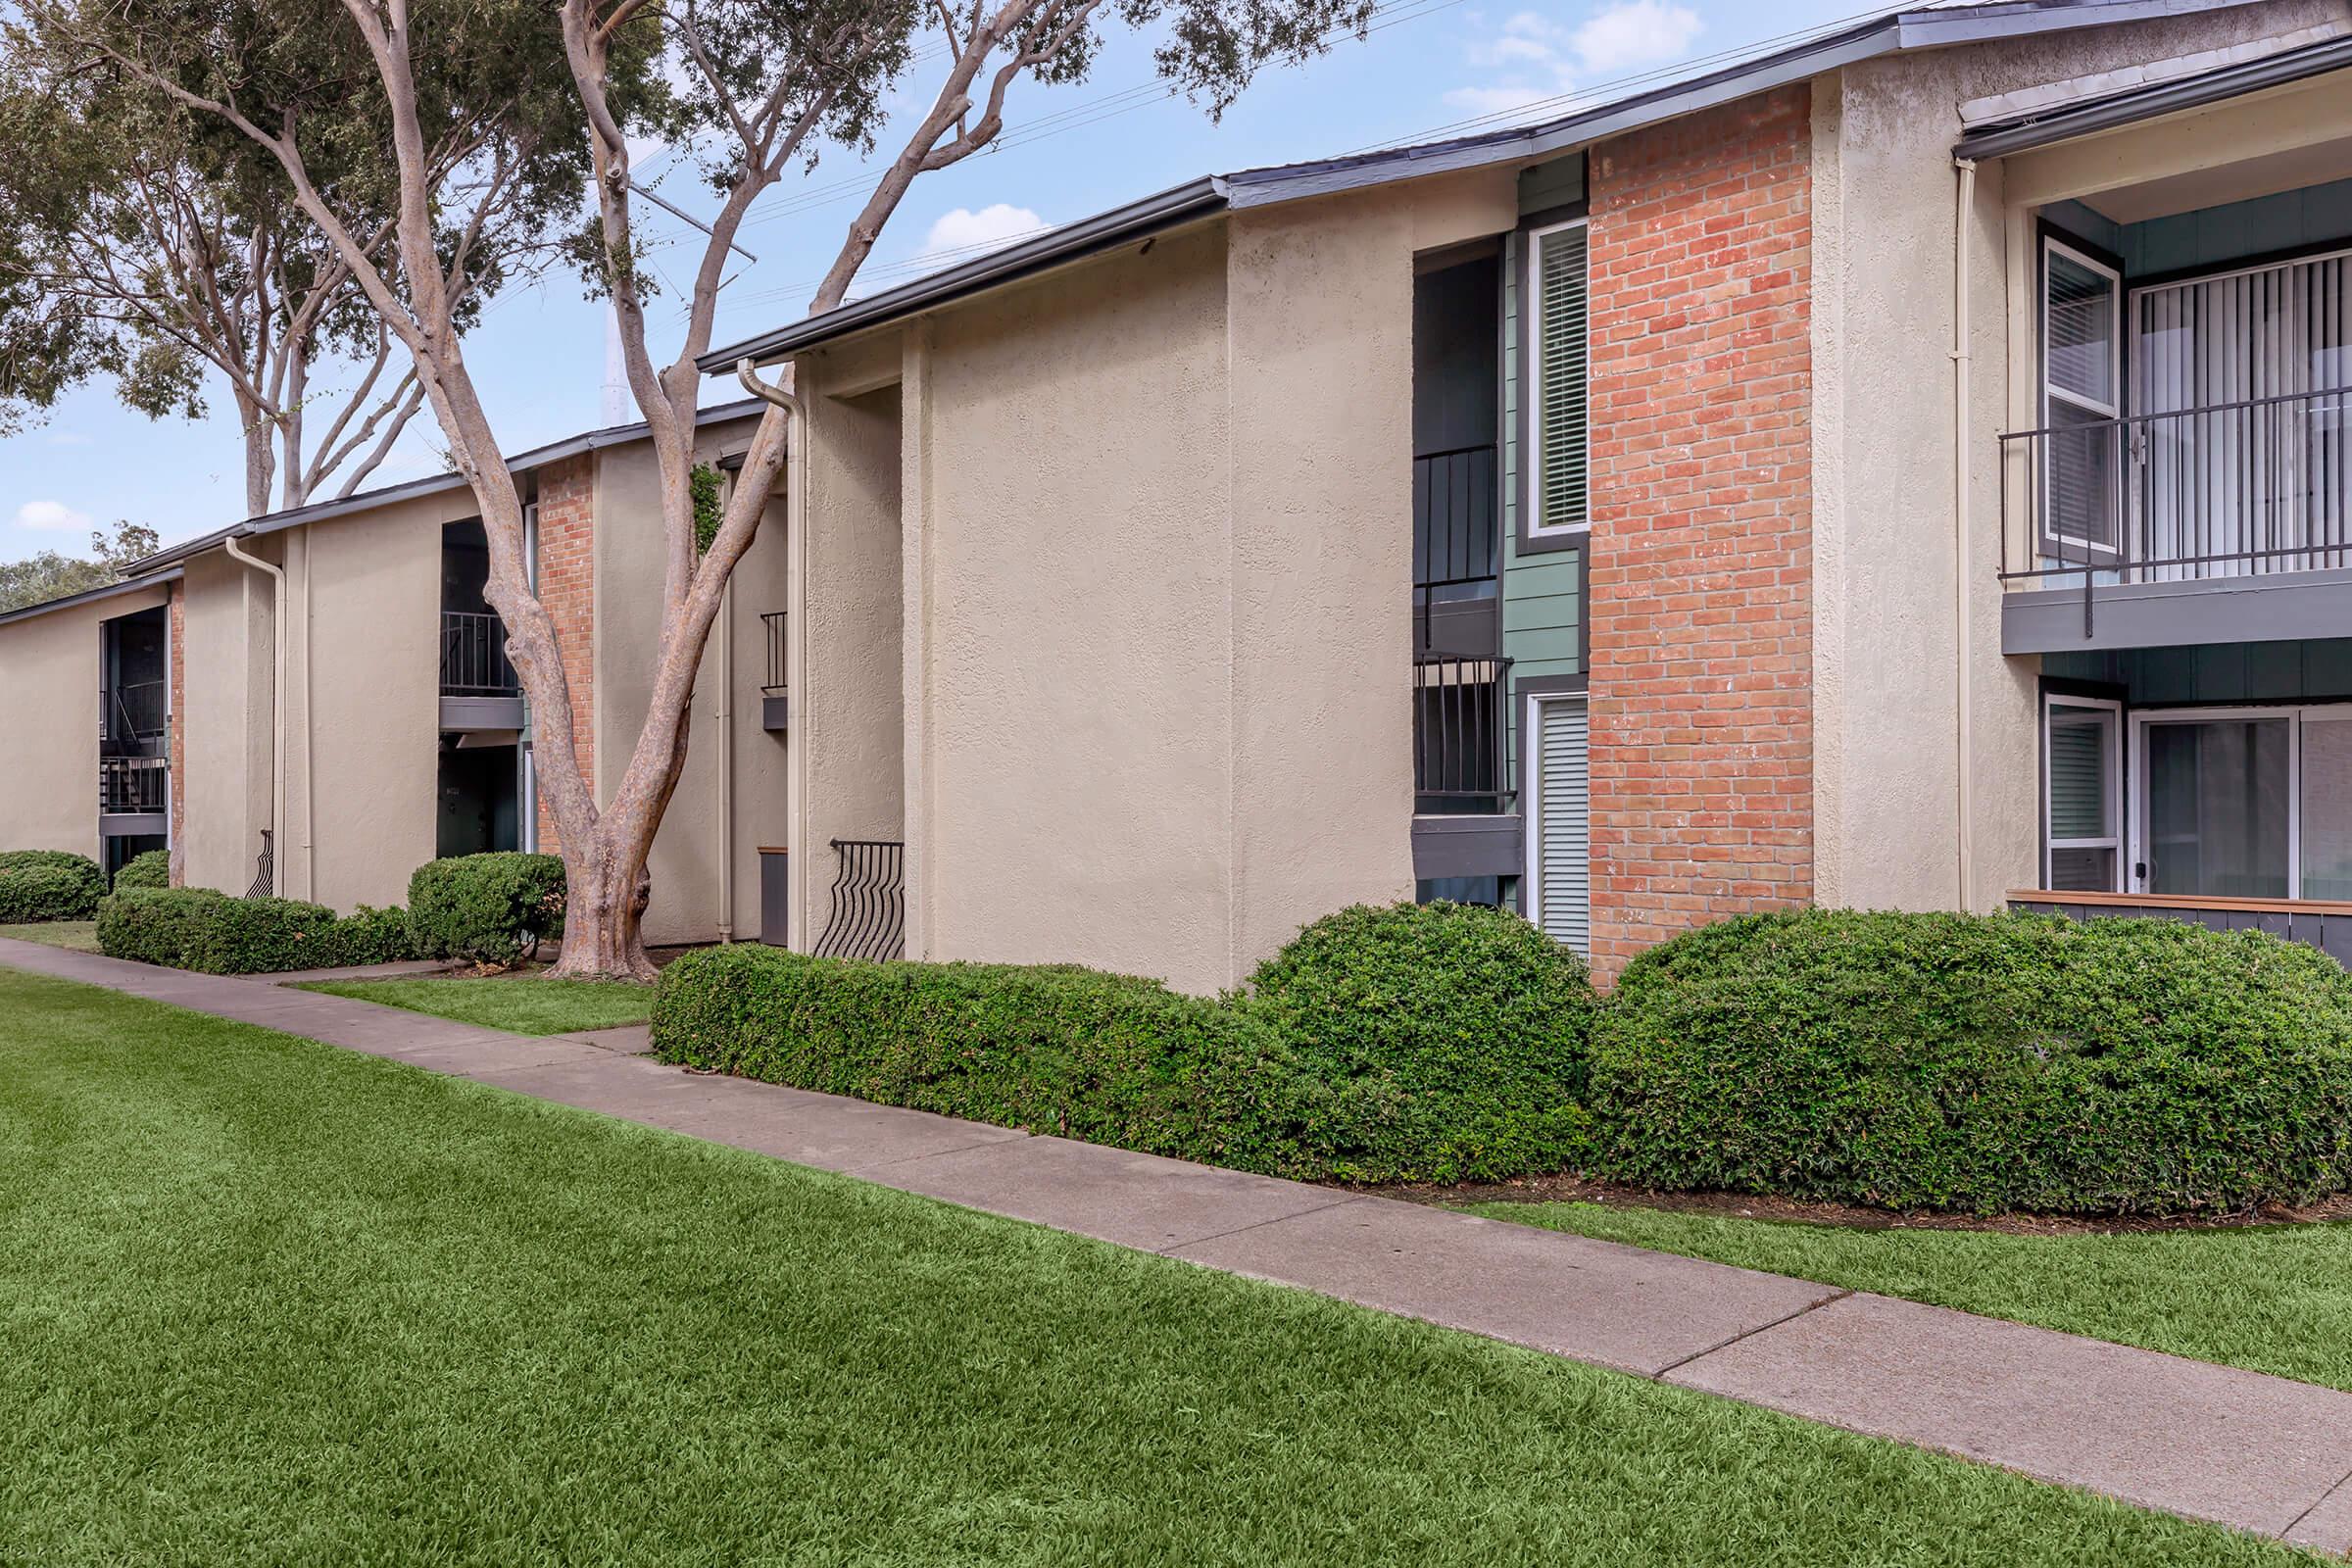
2215, 805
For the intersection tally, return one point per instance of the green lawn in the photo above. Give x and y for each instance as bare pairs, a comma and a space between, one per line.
80, 935
518, 1004
2277, 1298
267, 1302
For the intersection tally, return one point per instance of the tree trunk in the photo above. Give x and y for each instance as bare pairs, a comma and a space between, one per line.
260, 458
604, 915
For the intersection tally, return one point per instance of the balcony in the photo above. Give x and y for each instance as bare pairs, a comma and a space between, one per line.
479, 689
2218, 522
772, 693
133, 795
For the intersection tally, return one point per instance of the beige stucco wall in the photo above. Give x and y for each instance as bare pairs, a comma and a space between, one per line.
364, 702
224, 726
1885, 668
846, 740
629, 566
49, 711
1154, 569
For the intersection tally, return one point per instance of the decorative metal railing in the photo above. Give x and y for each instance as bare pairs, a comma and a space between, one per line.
132, 785
772, 625
474, 657
265, 869
2222, 490
868, 918
1461, 721
1457, 536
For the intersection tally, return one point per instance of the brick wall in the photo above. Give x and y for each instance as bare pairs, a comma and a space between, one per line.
177, 635
568, 587
1701, 564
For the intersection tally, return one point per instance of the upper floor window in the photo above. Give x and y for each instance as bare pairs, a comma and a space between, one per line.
1558, 491
2081, 380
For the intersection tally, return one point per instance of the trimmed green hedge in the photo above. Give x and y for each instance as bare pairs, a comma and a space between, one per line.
196, 928
1101, 1057
491, 909
1441, 1042
1383, 1044
48, 885
1979, 1063
149, 868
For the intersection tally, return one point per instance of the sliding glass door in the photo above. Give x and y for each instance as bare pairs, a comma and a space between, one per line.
2242, 804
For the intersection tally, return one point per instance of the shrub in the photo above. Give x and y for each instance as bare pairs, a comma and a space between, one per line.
491, 909
1442, 1042
1979, 1063
196, 928
48, 885
149, 868
1103, 1058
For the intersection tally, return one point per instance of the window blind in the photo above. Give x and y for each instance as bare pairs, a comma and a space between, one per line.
1563, 825
1560, 354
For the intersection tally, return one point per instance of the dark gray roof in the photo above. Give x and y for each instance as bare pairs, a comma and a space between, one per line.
2064, 123
113, 590
1933, 23
435, 484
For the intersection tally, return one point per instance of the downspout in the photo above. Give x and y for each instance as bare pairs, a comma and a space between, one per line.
1964, 207
796, 513
278, 689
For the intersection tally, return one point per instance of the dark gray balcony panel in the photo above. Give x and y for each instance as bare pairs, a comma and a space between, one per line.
1468, 846
2264, 607
462, 713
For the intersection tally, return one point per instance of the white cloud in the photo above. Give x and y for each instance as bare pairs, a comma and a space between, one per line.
50, 516
999, 223
1544, 62
1634, 36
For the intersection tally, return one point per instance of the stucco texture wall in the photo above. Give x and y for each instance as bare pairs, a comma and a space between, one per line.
629, 555
1885, 668
363, 703
49, 711
224, 728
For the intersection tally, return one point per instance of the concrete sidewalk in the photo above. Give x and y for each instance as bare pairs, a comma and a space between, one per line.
2260, 1453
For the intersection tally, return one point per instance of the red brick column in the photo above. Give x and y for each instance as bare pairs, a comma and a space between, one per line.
568, 588
176, 618
1701, 564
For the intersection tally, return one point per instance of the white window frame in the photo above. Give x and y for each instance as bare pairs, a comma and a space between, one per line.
2116, 792
2296, 714
1532, 293
1531, 731
2050, 541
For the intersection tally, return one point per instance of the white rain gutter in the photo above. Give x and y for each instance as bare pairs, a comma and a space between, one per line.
1964, 206
277, 694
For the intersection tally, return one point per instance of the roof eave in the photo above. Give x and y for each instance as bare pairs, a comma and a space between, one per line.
89, 596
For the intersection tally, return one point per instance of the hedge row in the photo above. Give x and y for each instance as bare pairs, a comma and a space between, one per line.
491, 908
149, 868
196, 928
48, 885
1415, 1043
1969, 1063
1980, 1064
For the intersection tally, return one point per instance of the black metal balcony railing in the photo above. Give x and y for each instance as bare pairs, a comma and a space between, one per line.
868, 918
133, 784
1462, 712
772, 625
1457, 547
474, 657
2224, 490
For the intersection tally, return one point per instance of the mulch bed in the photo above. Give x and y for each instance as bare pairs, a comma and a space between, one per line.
1790, 1210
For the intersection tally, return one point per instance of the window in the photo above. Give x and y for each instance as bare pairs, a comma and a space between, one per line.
2082, 401
2251, 802
2083, 805
1559, 876
1557, 491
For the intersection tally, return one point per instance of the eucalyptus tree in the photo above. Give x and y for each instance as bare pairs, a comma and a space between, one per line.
452, 100
147, 244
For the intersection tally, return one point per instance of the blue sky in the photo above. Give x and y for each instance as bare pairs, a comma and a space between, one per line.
1428, 66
